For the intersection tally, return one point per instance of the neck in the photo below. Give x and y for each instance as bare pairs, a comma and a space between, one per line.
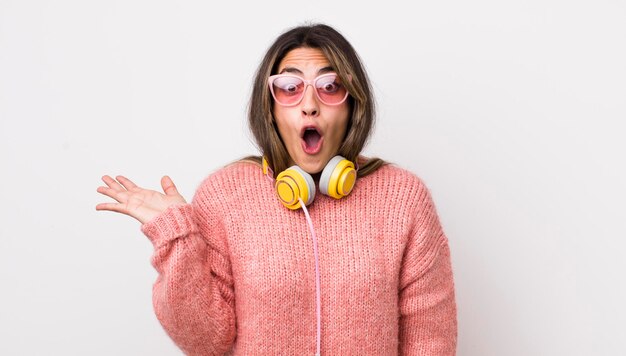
316, 177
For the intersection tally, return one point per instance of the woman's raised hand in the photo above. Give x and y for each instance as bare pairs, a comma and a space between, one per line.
141, 204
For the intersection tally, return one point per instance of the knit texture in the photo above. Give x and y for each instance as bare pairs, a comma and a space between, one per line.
237, 270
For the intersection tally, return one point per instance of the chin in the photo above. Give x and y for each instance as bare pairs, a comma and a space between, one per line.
313, 167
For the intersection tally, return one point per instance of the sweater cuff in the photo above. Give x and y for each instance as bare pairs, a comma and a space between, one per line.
176, 221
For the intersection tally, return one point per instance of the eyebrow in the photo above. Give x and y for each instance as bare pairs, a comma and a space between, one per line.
298, 71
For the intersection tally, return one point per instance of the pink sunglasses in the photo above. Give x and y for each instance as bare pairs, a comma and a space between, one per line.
289, 89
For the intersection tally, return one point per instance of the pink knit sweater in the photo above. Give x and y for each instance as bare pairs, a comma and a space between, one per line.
237, 270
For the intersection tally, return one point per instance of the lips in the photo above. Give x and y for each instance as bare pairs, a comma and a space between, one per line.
312, 139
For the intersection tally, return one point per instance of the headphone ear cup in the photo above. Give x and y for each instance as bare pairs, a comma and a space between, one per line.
338, 178
294, 183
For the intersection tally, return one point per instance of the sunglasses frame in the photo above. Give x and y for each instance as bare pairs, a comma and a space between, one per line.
307, 83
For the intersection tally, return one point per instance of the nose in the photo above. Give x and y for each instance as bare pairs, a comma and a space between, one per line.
310, 104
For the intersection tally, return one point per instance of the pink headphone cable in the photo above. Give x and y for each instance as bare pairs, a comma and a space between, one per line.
317, 278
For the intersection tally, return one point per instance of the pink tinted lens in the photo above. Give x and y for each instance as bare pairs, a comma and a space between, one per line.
287, 90
329, 89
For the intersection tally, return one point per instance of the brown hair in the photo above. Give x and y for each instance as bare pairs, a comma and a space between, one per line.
346, 63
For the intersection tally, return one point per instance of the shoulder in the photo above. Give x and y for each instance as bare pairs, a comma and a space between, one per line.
237, 179
394, 178
237, 171
410, 196
395, 186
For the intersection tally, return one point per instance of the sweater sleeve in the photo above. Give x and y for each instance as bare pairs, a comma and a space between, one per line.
193, 294
428, 324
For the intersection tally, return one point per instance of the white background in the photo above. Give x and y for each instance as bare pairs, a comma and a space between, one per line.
511, 111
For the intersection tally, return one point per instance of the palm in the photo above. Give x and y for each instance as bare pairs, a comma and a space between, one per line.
142, 204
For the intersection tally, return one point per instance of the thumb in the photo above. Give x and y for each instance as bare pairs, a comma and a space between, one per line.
168, 186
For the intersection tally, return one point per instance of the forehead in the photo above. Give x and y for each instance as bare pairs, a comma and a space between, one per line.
304, 59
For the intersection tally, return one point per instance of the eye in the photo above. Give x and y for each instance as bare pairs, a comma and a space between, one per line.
288, 85
291, 88
328, 85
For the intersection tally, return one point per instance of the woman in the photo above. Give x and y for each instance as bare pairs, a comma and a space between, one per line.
364, 269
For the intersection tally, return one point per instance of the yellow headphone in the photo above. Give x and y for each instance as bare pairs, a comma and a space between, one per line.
337, 180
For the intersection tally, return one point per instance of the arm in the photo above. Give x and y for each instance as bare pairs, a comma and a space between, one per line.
428, 323
192, 296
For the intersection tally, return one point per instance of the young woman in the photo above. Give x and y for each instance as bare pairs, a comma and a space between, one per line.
310, 248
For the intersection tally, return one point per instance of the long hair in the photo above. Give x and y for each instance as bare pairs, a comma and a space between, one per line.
346, 63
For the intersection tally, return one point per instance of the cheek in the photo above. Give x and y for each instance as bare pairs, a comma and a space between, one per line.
283, 124
342, 123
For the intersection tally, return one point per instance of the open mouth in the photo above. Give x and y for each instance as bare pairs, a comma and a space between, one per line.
311, 140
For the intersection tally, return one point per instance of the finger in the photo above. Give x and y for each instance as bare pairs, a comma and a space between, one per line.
168, 186
120, 197
118, 208
127, 183
112, 183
